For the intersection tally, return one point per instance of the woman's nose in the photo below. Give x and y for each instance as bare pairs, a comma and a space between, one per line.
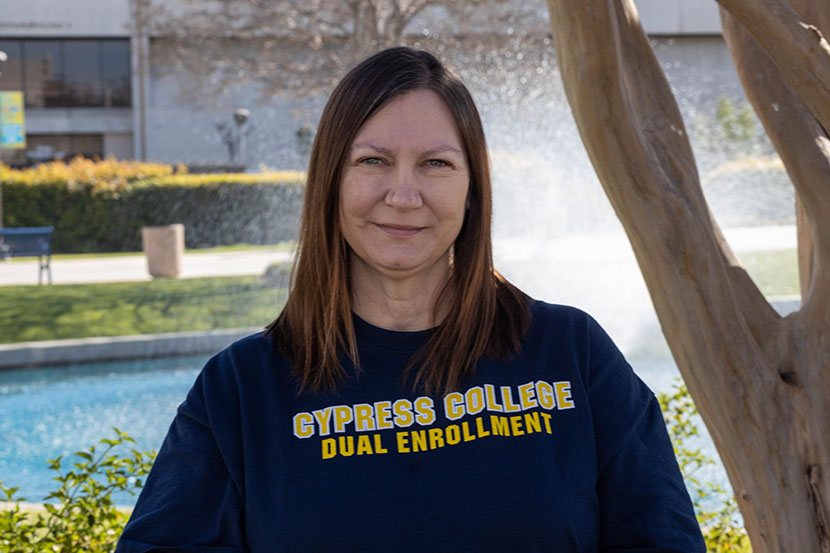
403, 193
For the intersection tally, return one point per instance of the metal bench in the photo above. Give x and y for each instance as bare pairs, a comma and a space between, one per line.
29, 242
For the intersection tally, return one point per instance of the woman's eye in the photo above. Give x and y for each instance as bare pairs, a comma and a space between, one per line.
371, 161
438, 163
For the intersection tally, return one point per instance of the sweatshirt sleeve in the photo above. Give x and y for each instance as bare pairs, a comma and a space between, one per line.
644, 504
190, 502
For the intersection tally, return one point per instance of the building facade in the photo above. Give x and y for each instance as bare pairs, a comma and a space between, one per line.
90, 87
72, 62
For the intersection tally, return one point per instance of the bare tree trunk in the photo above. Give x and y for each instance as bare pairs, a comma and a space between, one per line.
759, 381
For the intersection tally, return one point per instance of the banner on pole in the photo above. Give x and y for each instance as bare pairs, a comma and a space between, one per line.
12, 128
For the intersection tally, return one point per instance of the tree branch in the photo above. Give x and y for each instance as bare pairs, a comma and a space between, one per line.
635, 137
799, 139
798, 49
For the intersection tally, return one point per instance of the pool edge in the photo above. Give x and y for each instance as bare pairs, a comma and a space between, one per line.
116, 348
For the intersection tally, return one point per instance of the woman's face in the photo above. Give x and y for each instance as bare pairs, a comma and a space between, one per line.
404, 189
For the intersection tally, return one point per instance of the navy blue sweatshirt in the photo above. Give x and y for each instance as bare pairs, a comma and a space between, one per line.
561, 450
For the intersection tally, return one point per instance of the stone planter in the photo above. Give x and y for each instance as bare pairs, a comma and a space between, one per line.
164, 248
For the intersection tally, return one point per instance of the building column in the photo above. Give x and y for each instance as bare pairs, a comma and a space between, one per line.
140, 69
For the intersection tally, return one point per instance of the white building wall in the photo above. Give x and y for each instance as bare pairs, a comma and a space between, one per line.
78, 120
177, 131
64, 18
103, 18
679, 17
118, 145
184, 129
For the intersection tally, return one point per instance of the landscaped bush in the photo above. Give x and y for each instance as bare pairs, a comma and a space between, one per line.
716, 509
100, 206
81, 515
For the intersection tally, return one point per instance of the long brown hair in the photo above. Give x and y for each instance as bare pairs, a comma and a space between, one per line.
486, 316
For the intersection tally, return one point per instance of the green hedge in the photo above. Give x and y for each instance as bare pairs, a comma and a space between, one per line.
101, 206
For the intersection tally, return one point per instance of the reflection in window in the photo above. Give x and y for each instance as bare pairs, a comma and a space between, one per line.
48, 147
115, 67
45, 147
83, 72
42, 73
68, 72
12, 72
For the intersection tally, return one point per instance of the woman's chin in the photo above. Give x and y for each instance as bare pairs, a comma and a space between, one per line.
398, 267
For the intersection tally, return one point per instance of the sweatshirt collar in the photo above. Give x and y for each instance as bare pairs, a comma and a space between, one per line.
390, 339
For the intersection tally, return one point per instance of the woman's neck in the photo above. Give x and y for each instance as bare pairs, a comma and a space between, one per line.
406, 304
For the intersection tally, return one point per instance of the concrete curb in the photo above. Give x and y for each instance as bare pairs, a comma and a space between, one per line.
38, 508
143, 346
785, 305
146, 346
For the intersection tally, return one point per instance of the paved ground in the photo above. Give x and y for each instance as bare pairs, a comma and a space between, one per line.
132, 268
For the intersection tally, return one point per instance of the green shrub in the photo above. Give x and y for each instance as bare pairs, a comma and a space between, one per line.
80, 515
100, 206
720, 525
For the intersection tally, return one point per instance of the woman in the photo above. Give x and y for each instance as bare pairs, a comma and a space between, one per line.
408, 398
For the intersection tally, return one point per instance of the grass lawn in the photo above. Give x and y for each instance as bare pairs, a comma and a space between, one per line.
123, 308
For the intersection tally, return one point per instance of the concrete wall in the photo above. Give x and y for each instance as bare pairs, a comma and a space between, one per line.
118, 145
659, 17
103, 18
177, 129
64, 18
679, 17
183, 129
189, 135
78, 120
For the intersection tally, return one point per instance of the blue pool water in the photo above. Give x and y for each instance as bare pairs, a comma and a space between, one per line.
53, 411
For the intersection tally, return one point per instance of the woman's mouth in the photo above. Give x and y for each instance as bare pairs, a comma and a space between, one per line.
400, 231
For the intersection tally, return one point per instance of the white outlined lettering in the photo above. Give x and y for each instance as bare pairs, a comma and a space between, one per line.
303, 425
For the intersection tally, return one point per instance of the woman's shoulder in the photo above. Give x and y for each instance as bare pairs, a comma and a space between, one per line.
560, 315
255, 341
566, 326
253, 354
251, 346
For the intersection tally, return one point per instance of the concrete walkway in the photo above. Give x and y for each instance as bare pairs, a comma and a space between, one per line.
134, 267
605, 247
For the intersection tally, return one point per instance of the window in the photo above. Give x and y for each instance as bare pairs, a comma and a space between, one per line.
115, 72
44, 147
83, 80
12, 72
68, 72
42, 73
